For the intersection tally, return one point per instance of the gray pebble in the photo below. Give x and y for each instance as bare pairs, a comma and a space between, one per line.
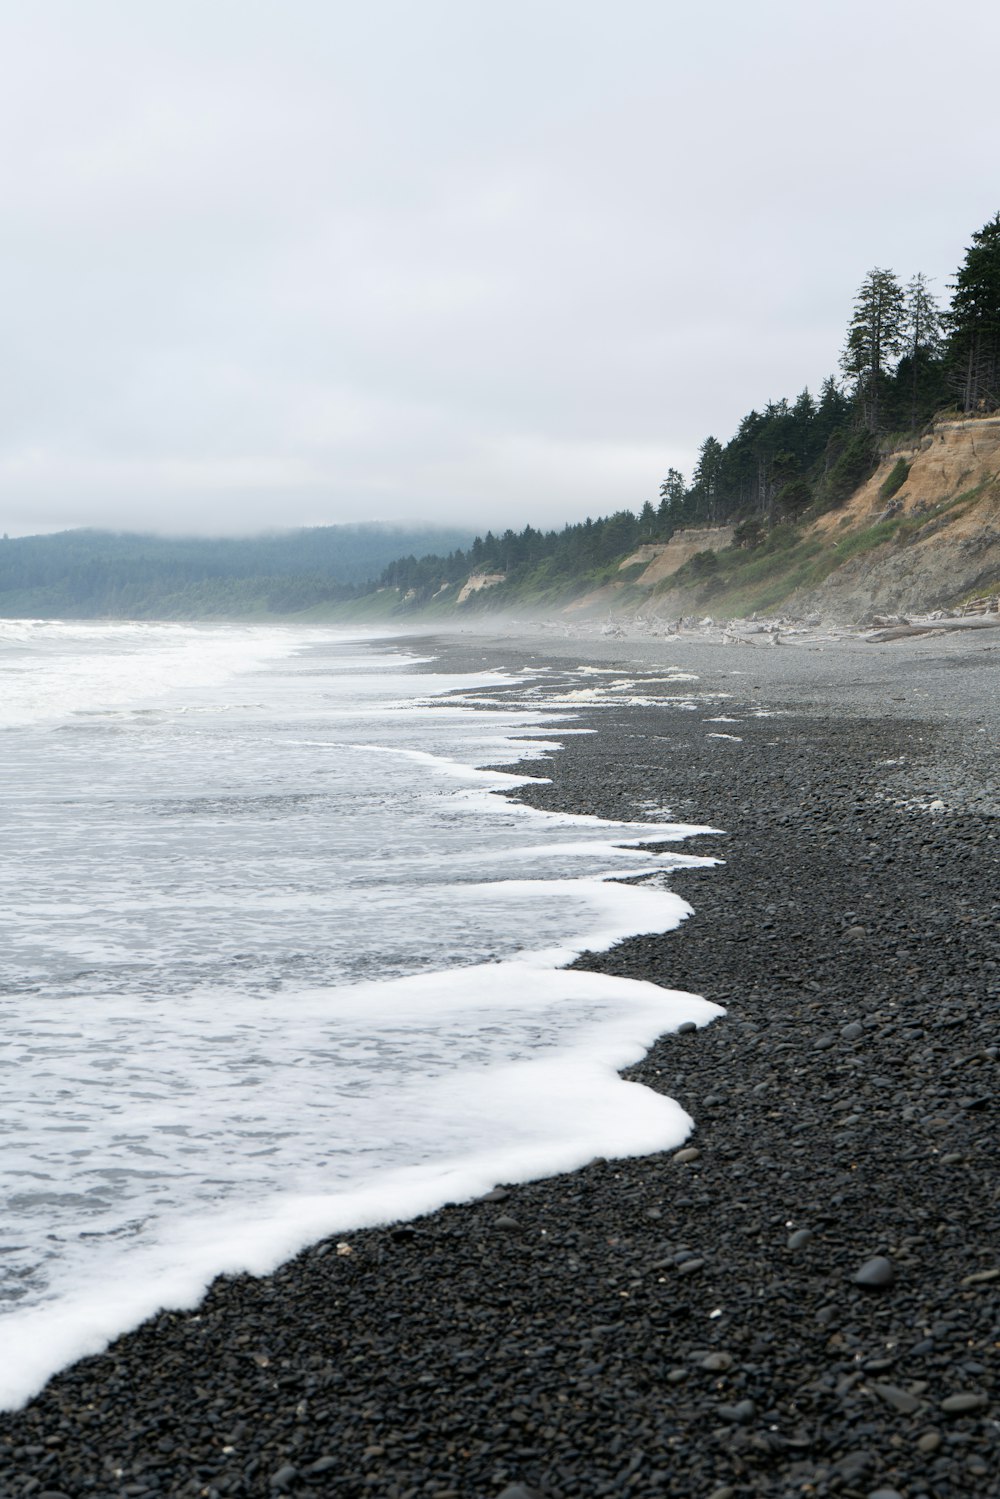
505, 1221
739, 1414
876, 1273
900, 1400
799, 1239
960, 1405
689, 1153
852, 1030
716, 1363
284, 1477
929, 1442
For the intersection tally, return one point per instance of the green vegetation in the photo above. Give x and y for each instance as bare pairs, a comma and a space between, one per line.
898, 475
104, 574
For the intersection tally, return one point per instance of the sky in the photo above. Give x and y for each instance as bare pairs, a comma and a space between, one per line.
298, 262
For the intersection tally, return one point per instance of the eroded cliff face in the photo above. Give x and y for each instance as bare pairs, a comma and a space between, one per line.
661, 559
943, 523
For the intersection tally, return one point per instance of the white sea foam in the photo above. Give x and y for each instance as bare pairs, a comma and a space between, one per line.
285, 961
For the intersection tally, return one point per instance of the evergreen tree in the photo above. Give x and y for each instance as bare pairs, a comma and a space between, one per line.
874, 338
922, 325
974, 322
706, 478
672, 493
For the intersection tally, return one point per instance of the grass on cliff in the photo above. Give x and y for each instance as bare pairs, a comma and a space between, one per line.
742, 582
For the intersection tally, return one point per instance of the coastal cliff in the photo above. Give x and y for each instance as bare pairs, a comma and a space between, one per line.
922, 532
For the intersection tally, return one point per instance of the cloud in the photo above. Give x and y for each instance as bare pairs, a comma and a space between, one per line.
277, 264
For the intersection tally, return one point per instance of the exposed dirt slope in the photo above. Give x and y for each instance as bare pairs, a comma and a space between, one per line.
942, 524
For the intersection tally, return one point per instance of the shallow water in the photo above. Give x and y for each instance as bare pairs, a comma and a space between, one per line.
278, 960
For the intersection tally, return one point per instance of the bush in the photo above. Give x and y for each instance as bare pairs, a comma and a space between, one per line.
852, 460
704, 564
898, 475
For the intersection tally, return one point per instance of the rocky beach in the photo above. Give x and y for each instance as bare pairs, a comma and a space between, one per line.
803, 1300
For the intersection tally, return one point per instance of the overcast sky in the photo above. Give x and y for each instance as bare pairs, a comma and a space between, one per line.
281, 262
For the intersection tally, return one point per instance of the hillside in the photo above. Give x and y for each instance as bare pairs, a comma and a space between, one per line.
921, 532
91, 574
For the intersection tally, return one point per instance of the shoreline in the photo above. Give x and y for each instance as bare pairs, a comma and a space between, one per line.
552, 1337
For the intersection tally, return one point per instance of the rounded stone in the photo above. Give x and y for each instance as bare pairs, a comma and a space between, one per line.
962, 1404
876, 1273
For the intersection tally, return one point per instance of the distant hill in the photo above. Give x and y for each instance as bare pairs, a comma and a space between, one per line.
107, 574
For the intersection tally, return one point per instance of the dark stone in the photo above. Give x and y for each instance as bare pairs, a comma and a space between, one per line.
875, 1274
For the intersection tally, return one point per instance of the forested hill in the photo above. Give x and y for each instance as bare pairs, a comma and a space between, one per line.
907, 362
99, 574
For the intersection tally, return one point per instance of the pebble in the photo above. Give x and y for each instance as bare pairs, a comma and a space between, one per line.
740, 1414
962, 1404
929, 1442
799, 1239
689, 1153
852, 1031
725, 1492
284, 1477
506, 1222
717, 1363
900, 1400
876, 1273
520, 1491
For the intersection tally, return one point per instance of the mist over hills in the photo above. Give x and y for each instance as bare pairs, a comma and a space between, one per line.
92, 574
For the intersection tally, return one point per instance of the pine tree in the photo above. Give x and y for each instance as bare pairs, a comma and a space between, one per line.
922, 324
974, 322
706, 476
874, 338
672, 492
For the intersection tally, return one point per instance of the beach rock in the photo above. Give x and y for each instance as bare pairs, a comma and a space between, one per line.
685, 1156
740, 1414
799, 1239
284, 1477
900, 1400
878, 1273
963, 1404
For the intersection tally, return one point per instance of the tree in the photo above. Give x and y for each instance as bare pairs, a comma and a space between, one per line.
672, 492
922, 323
706, 476
974, 322
874, 338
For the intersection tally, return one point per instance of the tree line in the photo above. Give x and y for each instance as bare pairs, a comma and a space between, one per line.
905, 359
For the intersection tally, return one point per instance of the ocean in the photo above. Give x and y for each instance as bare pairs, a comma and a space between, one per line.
280, 957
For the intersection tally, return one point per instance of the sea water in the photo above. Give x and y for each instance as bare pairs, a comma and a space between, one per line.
279, 959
